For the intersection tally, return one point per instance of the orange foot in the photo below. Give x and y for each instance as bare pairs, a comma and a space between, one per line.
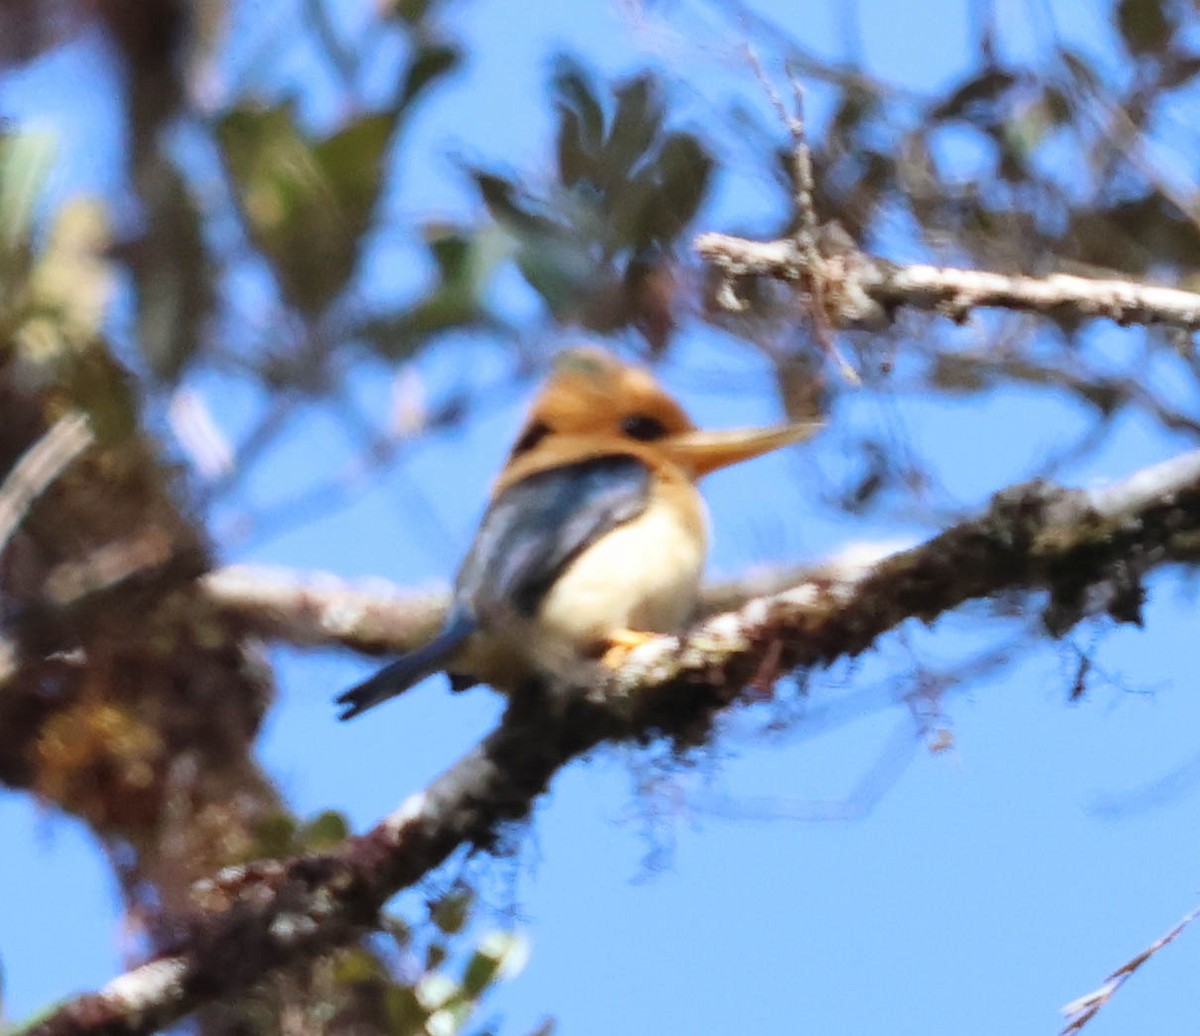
621, 642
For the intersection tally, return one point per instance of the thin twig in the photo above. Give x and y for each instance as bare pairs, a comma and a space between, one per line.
1082, 1010
805, 214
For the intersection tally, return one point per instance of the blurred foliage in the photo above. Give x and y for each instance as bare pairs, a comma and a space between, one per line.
283, 834
425, 976
598, 238
447, 996
305, 203
428, 977
465, 263
974, 171
598, 245
25, 158
135, 705
1072, 161
175, 277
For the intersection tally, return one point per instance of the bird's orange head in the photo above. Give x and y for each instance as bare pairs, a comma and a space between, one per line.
593, 405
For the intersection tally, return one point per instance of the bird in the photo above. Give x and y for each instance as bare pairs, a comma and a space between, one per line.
594, 539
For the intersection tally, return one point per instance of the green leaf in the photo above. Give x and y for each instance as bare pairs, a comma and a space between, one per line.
480, 972
500, 955
410, 11
574, 159
631, 216
450, 913
1057, 105
855, 110
466, 261
1025, 131
351, 162
976, 99
560, 270
429, 64
1144, 25
504, 202
275, 836
72, 282
435, 955
25, 160
636, 122
685, 168
404, 1010
1135, 235
398, 929
653, 207
173, 276
355, 964
573, 91
325, 831
306, 203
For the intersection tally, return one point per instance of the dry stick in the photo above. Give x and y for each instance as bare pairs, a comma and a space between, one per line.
864, 290
1087, 548
1081, 1011
807, 226
316, 608
39, 466
29, 478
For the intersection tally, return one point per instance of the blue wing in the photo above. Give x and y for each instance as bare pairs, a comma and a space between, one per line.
536, 527
529, 534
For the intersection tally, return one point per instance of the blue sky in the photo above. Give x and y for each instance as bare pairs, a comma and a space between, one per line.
984, 888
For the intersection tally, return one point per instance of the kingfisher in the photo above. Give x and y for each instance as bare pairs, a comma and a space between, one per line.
594, 540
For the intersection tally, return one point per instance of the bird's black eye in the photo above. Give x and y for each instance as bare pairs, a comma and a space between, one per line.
532, 435
643, 427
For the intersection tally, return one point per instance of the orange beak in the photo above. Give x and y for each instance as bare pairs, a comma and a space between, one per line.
700, 452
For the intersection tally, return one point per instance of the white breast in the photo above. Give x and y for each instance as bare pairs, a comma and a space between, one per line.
644, 575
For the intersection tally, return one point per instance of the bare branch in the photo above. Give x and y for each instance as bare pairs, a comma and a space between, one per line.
107, 566
804, 212
318, 609
863, 290
1082, 1010
39, 466
1088, 549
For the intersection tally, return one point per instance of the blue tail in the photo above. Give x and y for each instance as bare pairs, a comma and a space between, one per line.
410, 668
